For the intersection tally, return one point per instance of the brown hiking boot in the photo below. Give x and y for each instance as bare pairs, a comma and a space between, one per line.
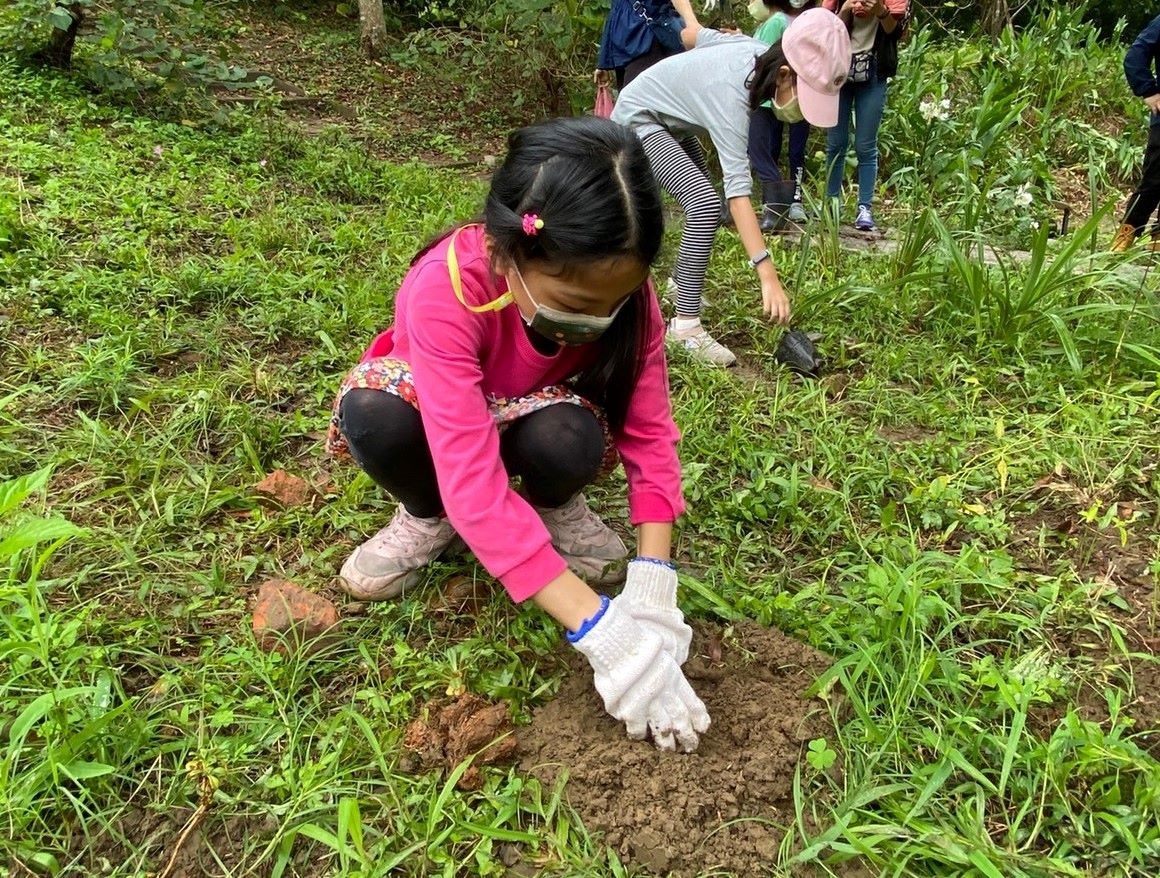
1124, 239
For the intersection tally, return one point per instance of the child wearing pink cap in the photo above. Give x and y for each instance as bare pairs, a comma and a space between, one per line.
712, 91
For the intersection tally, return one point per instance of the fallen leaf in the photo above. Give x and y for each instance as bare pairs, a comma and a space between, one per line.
283, 488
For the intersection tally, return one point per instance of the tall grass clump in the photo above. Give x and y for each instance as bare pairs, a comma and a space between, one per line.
1056, 302
955, 761
66, 729
995, 124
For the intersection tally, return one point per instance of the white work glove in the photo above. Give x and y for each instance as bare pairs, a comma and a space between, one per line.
711, 5
650, 595
640, 683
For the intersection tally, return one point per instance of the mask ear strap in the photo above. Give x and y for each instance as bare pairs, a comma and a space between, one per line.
457, 283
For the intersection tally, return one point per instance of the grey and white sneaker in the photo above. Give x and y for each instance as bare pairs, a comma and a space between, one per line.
391, 561
701, 345
592, 549
797, 213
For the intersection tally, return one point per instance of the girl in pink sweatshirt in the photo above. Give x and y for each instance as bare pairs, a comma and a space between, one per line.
529, 348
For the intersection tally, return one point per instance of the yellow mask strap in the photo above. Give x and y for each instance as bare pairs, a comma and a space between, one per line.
457, 282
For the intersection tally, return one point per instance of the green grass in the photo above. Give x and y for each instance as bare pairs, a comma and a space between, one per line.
937, 512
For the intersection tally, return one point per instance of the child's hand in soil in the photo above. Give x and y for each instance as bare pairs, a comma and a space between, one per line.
641, 684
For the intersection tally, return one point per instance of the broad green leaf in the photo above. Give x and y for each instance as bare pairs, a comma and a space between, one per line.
13, 492
35, 531
39, 708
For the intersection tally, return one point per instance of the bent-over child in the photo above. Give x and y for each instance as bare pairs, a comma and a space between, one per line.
712, 90
529, 346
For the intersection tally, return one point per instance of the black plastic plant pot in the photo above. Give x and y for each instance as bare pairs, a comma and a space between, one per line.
797, 352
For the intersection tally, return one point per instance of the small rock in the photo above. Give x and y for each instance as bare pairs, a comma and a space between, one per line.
286, 613
285, 489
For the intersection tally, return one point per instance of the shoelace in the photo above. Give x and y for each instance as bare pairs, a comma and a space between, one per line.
410, 537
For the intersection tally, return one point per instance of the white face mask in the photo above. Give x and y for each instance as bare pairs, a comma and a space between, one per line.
758, 11
564, 327
788, 112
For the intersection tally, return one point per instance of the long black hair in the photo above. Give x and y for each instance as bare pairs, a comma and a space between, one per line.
591, 183
762, 81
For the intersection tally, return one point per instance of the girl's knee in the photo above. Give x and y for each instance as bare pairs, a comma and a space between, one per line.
562, 440
374, 415
703, 213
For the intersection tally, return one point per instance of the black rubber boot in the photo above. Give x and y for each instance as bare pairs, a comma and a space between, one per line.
776, 199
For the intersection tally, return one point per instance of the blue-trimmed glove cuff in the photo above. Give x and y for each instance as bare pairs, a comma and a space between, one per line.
590, 623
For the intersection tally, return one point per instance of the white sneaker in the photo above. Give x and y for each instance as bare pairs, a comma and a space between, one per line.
671, 293
391, 561
592, 549
797, 213
701, 345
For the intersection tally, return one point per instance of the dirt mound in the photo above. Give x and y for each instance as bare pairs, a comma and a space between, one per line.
468, 726
724, 807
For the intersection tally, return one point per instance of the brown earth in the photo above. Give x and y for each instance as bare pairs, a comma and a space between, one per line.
722, 809
1056, 538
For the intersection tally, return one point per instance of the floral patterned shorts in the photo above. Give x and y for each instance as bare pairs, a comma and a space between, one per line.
394, 376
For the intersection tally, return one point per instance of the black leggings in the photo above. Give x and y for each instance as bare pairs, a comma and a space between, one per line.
555, 452
1146, 198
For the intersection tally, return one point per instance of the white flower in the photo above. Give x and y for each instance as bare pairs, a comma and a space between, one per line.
930, 110
1023, 196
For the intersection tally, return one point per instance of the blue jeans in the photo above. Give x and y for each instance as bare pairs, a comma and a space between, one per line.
864, 101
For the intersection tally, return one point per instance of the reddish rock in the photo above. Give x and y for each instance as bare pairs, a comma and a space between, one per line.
285, 614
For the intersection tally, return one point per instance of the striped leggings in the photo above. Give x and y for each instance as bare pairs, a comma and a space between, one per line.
680, 169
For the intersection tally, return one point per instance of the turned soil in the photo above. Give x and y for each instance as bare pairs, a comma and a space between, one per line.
722, 809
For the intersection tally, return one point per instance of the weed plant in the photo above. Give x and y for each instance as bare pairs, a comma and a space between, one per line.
937, 512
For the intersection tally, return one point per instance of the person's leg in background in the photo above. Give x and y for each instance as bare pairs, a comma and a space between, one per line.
799, 135
693, 149
678, 174
837, 144
696, 152
764, 150
639, 65
1146, 199
869, 103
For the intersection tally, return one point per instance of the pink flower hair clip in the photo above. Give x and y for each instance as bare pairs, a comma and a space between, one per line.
532, 224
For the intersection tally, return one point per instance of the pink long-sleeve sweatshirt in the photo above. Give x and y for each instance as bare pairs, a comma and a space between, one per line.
461, 359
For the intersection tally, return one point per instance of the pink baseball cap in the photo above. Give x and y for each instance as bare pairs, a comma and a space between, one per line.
817, 47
